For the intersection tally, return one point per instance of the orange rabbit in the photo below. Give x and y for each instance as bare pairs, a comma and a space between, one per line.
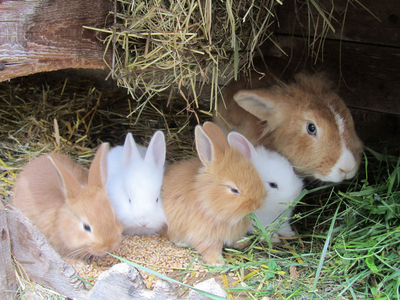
303, 120
207, 199
69, 204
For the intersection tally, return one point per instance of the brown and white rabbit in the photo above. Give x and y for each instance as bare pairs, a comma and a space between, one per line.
207, 198
70, 205
303, 120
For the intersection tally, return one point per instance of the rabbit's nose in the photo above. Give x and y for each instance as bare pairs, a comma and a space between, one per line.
348, 172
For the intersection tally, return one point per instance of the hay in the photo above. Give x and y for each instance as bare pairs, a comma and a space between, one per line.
181, 45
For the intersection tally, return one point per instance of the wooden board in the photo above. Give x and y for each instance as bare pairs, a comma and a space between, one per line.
8, 280
378, 130
359, 24
46, 35
43, 265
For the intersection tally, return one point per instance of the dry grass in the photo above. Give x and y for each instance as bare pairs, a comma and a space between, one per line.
74, 118
179, 46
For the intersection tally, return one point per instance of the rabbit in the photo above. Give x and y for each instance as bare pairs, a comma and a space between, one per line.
69, 204
282, 184
207, 199
303, 120
135, 176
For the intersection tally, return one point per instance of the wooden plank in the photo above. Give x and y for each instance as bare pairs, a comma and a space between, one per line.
8, 280
42, 264
46, 35
378, 130
366, 75
359, 24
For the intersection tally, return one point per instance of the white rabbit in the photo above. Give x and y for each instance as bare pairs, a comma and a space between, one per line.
282, 184
134, 184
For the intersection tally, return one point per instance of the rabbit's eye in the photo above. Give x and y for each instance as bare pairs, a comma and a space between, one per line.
130, 201
311, 129
87, 227
235, 191
157, 200
273, 185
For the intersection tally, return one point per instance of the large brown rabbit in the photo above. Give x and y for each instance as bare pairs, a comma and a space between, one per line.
207, 199
303, 120
69, 204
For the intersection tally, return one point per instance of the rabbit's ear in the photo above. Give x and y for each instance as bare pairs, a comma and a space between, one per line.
207, 150
131, 151
98, 168
217, 136
265, 104
238, 141
68, 183
156, 150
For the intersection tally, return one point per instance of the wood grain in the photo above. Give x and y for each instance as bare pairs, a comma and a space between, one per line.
46, 35
40, 261
8, 280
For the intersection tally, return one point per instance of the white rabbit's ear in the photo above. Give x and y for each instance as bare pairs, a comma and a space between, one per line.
238, 141
157, 149
131, 151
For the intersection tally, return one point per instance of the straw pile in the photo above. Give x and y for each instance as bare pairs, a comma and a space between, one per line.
182, 45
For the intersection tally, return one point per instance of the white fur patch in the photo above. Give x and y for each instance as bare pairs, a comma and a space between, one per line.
346, 166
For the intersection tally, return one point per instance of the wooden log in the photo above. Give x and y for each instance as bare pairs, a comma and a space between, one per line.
46, 35
124, 282
42, 264
8, 280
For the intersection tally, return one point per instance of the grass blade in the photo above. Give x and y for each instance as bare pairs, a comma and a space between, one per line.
325, 249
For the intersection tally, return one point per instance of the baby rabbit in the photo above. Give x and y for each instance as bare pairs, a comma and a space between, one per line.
69, 205
134, 184
282, 184
207, 199
304, 120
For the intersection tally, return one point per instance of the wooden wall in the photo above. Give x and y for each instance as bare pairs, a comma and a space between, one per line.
363, 58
